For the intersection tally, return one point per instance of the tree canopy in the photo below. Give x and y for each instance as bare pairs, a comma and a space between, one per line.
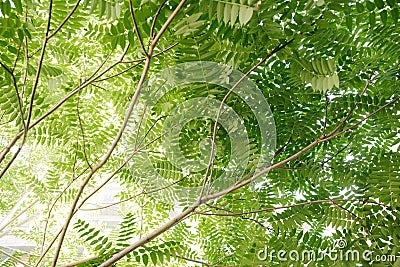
214, 133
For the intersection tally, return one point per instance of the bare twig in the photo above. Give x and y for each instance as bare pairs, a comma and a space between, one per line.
64, 20
136, 27
3, 226
16, 57
153, 24
329, 201
82, 132
340, 125
212, 154
155, 55
330, 136
14, 258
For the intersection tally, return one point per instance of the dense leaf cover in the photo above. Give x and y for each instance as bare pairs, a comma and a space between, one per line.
70, 125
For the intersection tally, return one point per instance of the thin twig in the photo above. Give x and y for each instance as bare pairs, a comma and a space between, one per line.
153, 24
350, 112
65, 20
330, 201
212, 154
154, 55
137, 28
14, 258
19, 214
82, 132
16, 57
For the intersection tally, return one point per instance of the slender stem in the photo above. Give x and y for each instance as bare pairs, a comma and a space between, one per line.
30, 109
5, 223
350, 112
153, 24
65, 20
136, 27
103, 161
212, 154
331, 201
14, 258
150, 236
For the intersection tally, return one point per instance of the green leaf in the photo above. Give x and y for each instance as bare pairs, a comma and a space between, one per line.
395, 14
131, 37
349, 22
360, 7
128, 20
18, 6
370, 5
372, 19
245, 14
391, 3
145, 259
335, 78
227, 13
383, 15
153, 257
220, 11
234, 14
379, 3
331, 65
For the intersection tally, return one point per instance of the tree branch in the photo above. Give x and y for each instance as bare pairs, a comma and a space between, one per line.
65, 20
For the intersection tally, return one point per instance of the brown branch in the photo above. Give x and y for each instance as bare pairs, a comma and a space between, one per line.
212, 154
19, 214
155, 55
16, 57
82, 132
350, 112
39, 68
21, 113
30, 109
44, 251
153, 24
64, 20
138, 61
364, 119
192, 209
6, 150
117, 74
241, 216
355, 217
14, 258
116, 140
18, 95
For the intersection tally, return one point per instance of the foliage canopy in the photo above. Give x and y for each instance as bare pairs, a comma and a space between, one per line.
72, 125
